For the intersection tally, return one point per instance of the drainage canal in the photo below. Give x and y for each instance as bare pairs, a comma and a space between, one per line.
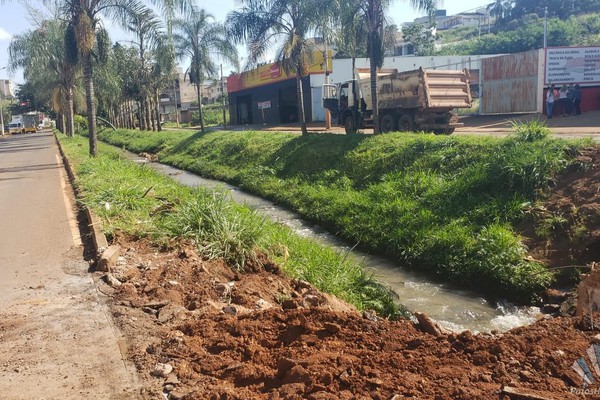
452, 308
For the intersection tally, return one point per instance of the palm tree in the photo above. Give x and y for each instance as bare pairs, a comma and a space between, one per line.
160, 74
42, 55
288, 23
146, 26
199, 38
86, 40
373, 12
107, 87
352, 33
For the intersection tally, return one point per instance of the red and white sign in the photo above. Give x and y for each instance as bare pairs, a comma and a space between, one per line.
572, 65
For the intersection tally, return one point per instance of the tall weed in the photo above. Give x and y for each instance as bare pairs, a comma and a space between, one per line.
219, 229
138, 201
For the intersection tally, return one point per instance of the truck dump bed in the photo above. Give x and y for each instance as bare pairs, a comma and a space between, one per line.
421, 88
30, 122
447, 88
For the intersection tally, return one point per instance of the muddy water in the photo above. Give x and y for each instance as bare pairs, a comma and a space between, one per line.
452, 308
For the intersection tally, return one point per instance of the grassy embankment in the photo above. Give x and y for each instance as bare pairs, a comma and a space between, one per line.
441, 204
139, 201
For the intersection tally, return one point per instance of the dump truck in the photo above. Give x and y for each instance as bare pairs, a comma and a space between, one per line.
418, 100
30, 122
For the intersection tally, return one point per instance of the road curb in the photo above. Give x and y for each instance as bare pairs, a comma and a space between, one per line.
106, 256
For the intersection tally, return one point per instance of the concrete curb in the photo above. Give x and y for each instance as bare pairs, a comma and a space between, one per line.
107, 256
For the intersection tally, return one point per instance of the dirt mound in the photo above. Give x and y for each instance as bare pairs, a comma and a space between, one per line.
567, 226
198, 330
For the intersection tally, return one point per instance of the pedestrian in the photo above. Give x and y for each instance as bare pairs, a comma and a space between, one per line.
562, 101
570, 105
550, 101
577, 99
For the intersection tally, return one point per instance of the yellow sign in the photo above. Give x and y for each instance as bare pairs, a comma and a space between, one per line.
272, 73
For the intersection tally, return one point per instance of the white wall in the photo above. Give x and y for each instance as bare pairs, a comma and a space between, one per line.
342, 69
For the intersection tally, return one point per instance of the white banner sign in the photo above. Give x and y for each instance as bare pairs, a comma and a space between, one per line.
264, 104
572, 65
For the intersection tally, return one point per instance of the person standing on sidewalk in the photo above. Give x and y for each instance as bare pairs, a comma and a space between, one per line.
562, 101
570, 96
550, 101
577, 99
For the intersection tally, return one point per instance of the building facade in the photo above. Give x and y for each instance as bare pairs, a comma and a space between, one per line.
179, 95
6, 88
268, 94
480, 17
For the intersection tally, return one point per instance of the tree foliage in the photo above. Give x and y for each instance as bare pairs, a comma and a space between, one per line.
87, 42
50, 74
421, 38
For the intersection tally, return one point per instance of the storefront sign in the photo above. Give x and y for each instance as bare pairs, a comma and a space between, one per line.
272, 73
572, 65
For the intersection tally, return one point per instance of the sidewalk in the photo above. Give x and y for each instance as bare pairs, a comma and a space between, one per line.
57, 338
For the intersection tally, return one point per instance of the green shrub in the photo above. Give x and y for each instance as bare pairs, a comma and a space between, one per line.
530, 131
80, 123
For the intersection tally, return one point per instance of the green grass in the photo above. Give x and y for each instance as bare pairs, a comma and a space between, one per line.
140, 202
474, 109
444, 204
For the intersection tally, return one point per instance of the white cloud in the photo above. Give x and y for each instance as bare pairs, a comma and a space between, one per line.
4, 35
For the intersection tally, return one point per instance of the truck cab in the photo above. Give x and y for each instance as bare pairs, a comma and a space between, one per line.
15, 127
342, 100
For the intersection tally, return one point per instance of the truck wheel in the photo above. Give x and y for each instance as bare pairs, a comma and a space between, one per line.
447, 131
387, 123
406, 123
350, 124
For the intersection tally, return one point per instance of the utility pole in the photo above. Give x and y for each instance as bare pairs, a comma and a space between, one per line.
1, 110
223, 99
545, 27
326, 58
1, 115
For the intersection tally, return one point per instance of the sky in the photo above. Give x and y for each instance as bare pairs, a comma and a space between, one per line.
15, 19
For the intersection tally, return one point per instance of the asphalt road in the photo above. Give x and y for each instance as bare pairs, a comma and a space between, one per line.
57, 339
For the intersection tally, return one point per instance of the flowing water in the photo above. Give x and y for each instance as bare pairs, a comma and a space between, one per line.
452, 308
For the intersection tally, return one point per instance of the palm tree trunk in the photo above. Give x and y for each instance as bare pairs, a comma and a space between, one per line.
157, 108
141, 119
149, 119
119, 116
198, 86
143, 116
131, 115
70, 128
90, 103
127, 115
373, 65
60, 122
300, 96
